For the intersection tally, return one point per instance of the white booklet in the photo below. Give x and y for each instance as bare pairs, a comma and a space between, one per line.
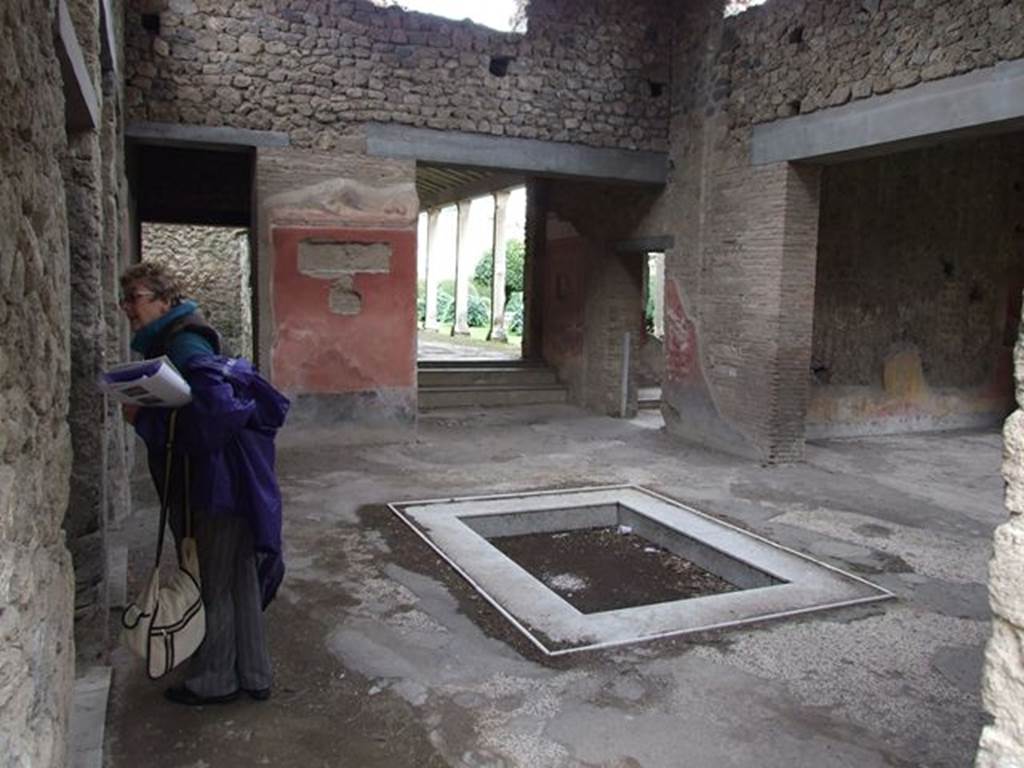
153, 382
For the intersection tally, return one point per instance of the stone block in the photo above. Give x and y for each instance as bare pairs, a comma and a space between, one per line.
1006, 573
1013, 463
998, 750
1018, 368
1002, 742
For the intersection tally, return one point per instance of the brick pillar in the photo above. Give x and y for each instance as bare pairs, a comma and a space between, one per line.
783, 242
461, 326
497, 332
431, 271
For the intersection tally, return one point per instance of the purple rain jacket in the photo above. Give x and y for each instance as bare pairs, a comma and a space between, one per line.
228, 433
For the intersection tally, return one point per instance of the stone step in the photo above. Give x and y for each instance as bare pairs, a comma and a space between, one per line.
482, 363
455, 397
649, 398
464, 376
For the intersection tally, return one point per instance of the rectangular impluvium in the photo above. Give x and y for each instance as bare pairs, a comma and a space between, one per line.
600, 567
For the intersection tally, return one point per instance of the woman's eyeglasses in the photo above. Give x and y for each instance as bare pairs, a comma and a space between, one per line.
129, 299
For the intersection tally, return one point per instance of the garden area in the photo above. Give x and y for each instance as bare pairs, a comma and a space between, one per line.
479, 306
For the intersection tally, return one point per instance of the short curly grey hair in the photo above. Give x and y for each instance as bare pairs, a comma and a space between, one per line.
158, 278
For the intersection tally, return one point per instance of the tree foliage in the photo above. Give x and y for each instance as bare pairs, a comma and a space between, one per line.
515, 254
518, 21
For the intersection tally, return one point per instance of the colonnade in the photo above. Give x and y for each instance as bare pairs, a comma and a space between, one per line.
464, 269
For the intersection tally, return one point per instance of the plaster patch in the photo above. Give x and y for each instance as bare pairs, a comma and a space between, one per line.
329, 259
344, 299
346, 201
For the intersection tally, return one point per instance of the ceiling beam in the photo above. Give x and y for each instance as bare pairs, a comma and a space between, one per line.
485, 185
532, 156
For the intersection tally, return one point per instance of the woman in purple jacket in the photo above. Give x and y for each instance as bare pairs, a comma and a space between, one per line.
225, 436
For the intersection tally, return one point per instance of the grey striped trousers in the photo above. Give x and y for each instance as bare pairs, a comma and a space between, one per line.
234, 652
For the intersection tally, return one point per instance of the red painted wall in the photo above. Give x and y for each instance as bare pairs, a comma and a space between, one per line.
316, 351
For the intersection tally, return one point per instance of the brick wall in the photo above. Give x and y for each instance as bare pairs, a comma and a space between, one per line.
583, 73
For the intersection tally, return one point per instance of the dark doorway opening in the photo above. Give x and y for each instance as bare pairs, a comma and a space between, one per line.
193, 208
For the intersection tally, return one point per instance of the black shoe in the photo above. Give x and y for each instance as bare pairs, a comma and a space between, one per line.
260, 694
180, 694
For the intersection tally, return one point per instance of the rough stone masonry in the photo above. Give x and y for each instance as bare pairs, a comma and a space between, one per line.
36, 581
1002, 743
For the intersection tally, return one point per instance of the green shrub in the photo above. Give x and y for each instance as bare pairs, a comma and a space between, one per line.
478, 312
515, 254
514, 314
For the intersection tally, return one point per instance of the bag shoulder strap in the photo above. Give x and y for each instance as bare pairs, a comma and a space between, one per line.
165, 502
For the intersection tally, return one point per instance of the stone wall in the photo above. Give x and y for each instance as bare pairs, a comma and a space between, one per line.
95, 193
919, 277
93, 224
36, 582
118, 250
588, 71
1002, 742
213, 265
85, 519
790, 57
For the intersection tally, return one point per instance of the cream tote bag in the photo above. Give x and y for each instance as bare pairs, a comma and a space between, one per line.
166, 624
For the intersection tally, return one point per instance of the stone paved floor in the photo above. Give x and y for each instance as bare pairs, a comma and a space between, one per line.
433, 346
384, 657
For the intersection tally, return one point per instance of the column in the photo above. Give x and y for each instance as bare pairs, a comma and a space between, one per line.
656, 262
497, 332
536, 249
431, 275
462, 272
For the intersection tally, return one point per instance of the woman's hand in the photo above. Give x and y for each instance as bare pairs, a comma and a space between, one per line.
129, 412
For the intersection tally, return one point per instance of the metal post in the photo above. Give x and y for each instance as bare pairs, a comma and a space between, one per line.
625, 375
